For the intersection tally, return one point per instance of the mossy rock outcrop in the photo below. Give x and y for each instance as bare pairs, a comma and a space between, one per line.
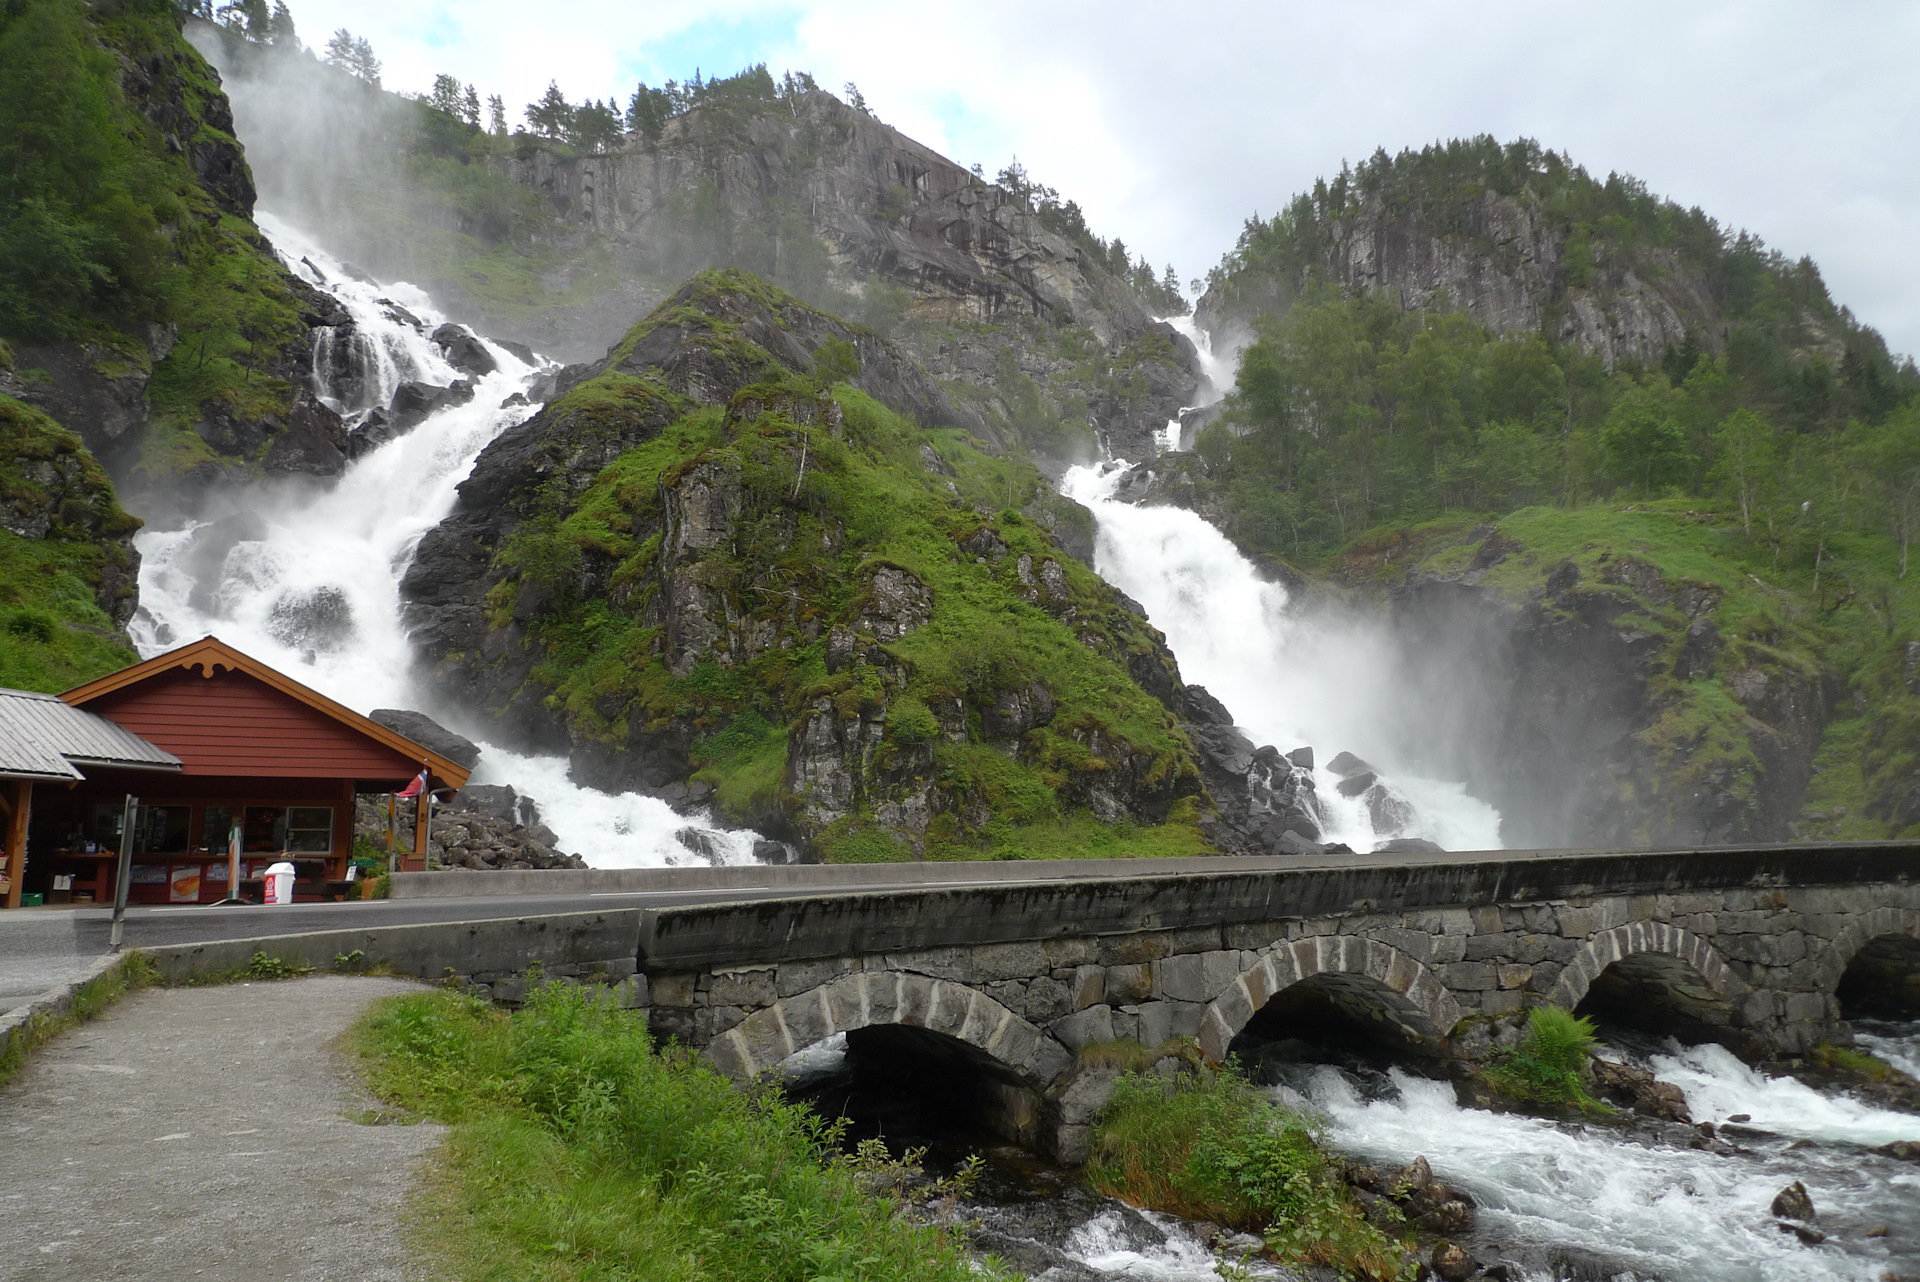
756, 555
67, 562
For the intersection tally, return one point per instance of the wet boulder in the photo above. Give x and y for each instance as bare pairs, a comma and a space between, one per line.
1301, 757
464, 351
1345, 764
1451, 1262
429, 734
414, 403
1409, 846
1292, 843
1354, 785
1793, 1203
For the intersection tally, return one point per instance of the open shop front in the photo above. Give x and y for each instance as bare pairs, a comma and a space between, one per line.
180, 838
256, 751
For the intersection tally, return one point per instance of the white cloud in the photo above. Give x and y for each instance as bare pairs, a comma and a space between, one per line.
1171, 123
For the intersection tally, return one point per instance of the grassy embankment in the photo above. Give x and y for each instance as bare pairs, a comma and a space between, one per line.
581, 1151
1212, 1147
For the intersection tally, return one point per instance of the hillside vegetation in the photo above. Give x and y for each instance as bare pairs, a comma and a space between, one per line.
856, 630
66, 558
1768, 455
132, 280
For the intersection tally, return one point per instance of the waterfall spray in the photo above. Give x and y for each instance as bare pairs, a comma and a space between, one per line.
307, 578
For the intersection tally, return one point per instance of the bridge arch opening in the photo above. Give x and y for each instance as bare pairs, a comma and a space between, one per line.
1649, 977
1334, 1018
1660, 994
1882, 980
1330, 999
914, 1088
904, 1056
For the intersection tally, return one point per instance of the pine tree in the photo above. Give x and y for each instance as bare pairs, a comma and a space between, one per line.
648, 112
280, 27
470, 107
497, 111
552, 116
446, 97
340, 50
856, 99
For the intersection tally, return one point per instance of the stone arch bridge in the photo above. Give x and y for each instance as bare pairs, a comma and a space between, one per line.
1442, 953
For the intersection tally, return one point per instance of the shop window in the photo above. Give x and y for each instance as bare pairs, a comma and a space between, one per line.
215, 823
156, 829
310, 830
264, 830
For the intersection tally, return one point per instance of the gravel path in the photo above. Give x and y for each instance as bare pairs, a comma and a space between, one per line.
205, 1133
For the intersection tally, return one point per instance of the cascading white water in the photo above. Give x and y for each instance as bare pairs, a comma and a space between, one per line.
1216, 376
307, 577
1656, 1210
1286, 684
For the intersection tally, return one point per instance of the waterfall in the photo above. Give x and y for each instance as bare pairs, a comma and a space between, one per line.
1216, 376
306, 577
1288, 684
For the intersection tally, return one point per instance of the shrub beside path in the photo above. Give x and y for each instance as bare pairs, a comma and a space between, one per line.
207, 1134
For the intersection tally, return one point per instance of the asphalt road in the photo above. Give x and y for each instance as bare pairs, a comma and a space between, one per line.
43, 947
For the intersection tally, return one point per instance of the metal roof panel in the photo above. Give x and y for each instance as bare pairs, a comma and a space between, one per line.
44, 738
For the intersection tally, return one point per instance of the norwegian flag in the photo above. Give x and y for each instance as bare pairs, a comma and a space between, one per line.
418, 786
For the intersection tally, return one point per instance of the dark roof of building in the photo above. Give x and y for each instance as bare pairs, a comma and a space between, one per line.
43, 737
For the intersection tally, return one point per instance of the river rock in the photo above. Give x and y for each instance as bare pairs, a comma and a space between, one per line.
1354, 785
463, 351
429, 734
1292, 843
1808, 1235
1411, 1178
1641, 1091
1409, 846
1793, 1203
1302, 757
1345, 765
1452, 1263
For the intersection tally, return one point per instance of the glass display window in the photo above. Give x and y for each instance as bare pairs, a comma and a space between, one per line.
310, 830
215, 823
264, 829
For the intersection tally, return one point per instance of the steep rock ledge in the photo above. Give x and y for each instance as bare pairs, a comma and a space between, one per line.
726, 558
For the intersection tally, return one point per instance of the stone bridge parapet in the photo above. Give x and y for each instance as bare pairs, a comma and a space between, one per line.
1444, 957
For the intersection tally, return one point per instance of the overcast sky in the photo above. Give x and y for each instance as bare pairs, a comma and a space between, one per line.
1170, 123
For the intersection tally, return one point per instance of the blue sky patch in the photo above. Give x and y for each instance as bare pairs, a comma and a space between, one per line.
716, 47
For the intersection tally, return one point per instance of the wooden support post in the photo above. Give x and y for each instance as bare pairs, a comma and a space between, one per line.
19, 806
422, 817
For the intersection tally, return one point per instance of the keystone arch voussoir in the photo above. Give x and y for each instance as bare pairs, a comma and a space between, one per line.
1887, 919
1413, 989
869, 998
1609, 946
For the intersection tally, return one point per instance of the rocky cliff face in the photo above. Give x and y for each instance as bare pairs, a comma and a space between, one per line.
699, 573
1520, 239
833, 203
1600, 704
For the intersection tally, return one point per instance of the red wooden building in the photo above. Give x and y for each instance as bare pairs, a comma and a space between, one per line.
256, 749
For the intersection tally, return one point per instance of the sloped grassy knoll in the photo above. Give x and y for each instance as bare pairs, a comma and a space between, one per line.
581, 1151
125, 232
1214, 1148
849, 620
66, 559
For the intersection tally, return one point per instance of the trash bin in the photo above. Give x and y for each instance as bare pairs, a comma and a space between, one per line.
279, 883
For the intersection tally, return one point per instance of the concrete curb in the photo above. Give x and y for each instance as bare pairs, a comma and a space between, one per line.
17, 1025
563, 944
